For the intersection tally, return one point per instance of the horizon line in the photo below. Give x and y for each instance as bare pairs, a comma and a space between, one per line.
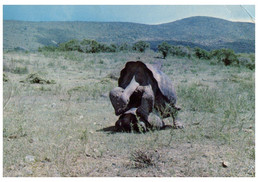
230, 20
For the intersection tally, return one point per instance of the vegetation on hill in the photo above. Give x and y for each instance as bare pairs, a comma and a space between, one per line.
92, 46
204, 32
226, 56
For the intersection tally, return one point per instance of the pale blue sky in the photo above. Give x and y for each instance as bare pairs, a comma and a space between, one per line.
125, 13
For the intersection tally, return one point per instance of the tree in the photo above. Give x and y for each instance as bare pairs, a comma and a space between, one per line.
227, 56
72, 45
89, 46
201, 53
165, 49
180, 51
124, 47
141, 46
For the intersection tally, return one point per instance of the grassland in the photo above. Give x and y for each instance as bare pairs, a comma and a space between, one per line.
64, 129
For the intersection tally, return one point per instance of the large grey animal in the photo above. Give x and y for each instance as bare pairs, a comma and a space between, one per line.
146, 88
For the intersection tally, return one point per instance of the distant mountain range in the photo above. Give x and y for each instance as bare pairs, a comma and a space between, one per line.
205, 32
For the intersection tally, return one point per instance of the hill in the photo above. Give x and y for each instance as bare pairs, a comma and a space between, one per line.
206, 32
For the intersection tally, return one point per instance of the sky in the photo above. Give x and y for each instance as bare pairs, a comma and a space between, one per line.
147, 14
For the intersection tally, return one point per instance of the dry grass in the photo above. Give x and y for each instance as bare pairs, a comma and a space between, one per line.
67, 126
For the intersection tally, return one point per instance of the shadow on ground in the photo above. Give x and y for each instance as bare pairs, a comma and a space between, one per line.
112, 129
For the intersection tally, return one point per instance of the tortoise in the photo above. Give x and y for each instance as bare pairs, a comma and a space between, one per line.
145, 87
128, 122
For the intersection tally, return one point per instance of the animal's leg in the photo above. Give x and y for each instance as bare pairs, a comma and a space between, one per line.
129, 90
155, 121
176, 123
147, 103
115, 98
120, 97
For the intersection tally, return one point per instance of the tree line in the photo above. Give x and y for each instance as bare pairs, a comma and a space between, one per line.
226, 56
92, 46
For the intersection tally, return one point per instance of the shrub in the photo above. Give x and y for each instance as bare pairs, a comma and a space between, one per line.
252, 57
72, 45
35, 78
104, 48
180, 51
20, 70
47, 48
227, 56
164, 48
252, 64
89, 46
144, 158
5, 78
141, 46
201, 53
124, 47
112, 48
247, 62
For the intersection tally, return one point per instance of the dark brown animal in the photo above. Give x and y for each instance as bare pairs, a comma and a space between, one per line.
146, 88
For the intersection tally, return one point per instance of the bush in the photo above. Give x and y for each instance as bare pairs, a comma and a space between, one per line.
72, 45
124, 47
247, 62
20, 70
5, 78
141, 46
103, 48
47, 48
165, 49
112, 48
92, 46
180, 51
86, 46
35, 78
227, 56
89, 46
201, 53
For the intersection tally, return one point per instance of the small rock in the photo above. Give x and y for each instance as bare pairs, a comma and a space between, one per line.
225, 164
53, 105
46, 159
248, 130
103, 95
195, 123
163, 171
81, 117
29, 172
56, 174
12, 136
29, 158
22, 165
87, 152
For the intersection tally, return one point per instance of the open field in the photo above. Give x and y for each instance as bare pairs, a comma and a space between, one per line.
64, 129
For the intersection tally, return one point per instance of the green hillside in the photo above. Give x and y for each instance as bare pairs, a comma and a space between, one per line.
205, 32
